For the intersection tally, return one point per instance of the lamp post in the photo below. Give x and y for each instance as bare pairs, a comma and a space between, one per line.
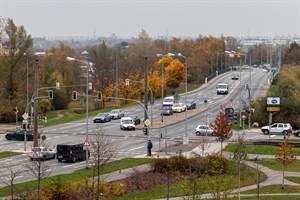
146, 88
36, 86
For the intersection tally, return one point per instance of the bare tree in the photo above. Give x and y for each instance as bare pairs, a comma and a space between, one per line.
103, 151
39, 170
9, 178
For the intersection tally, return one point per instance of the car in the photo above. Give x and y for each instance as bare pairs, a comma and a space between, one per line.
167, 110
102, 117
235, 77
127, 123
297, 133
168, 101
41, 153
222, 88
204, 130
277, 128
71, 151
190, 104
179, 107
116, 114
19, 135
135, 119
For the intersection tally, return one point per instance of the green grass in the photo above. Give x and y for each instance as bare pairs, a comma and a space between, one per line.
175, 188
259, 149
293, 179
79, 174
291, 197
270, 189
8, 154
275, 165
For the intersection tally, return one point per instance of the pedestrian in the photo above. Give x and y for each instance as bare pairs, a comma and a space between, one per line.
149, 147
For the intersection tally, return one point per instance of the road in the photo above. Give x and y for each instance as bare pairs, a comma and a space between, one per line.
133, 143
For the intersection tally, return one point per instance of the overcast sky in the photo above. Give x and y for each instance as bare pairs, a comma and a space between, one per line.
179, 18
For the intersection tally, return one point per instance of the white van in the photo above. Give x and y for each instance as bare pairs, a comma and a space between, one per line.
127, 123
222, 88
168, 101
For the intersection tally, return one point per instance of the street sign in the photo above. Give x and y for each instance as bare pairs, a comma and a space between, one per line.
86, 143
273, 109
147, 122
25, 116
273, 101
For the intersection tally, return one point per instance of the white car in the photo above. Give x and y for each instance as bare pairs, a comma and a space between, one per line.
168, 101
41, 153
204, 130
179, 107
277, 128
127, 123
116, 114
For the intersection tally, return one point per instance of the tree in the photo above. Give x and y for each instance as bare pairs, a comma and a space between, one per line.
222, 127
285, 155
102, 150
174, 74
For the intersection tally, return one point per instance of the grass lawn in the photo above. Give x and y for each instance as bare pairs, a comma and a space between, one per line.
290, 197
79, 174
275, 165
8, 154
259, 149
230, 179
270, 189
293, 179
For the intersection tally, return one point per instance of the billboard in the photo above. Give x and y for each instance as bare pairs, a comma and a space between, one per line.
273, 101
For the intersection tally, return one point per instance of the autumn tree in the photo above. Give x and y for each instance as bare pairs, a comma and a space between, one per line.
174, 74
285, 155
222, 127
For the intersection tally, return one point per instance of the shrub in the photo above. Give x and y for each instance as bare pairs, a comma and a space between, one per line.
215, 164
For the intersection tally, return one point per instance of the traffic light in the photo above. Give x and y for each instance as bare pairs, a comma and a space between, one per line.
229, 112
99, 95
50, 94
235, 118
74, 95
145, 130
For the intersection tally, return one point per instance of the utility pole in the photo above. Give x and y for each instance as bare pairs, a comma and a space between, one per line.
146, 88
36, 86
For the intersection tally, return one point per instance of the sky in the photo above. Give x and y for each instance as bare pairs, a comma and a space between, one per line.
159, 18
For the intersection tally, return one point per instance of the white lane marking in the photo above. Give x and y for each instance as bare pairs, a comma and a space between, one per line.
136, 148
71, 165
18, 177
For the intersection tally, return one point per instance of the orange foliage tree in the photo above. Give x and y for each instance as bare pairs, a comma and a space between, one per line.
222, 127
174, 74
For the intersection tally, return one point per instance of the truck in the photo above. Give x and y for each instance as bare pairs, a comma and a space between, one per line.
222, 88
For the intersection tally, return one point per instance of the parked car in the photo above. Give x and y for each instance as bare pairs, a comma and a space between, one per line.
297, 133
277, 128
126, 123
19, 135
167, 110
116, 114
70, 152
102, 117
190, 104
204, 130
41, 153
135, 119
178, 107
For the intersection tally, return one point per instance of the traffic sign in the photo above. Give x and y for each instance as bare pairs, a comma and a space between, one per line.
147, 122
86, 143
25, 116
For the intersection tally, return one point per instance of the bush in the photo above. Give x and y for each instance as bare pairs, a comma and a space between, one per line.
215, 164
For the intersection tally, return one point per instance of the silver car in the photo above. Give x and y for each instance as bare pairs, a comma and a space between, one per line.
116, 114
204, 130
41, 153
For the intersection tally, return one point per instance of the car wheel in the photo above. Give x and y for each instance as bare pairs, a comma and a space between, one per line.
121, 128
298, 134
198, 133
266, 132
74, 159
133, 129
285, 132
53, 157
59, 160
31, 159
44, 158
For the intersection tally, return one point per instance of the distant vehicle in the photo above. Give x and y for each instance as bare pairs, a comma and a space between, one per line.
135, 119
167, 110
102, 117
70, 152
41, 153
168, 101
297, 133
126, 123
19, 135
265, 70
190, 104
277, 128
222, 88
116, 114
235, 77
179, 107
204, 130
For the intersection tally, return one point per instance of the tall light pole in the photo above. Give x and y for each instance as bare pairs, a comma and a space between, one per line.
146, 88
117, 81
186, 135
36, 86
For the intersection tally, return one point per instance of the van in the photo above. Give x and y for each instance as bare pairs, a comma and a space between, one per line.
168, 101
127, 123
222, 88
70, 152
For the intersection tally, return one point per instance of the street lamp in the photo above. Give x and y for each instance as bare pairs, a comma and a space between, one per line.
85, 54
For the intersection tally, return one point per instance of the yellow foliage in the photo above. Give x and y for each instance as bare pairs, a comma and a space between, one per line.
118, 188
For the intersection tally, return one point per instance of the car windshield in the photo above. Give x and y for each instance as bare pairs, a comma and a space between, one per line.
168, 100
222, 86
128, 121
36, 149
114, 111
63, 148
101, 115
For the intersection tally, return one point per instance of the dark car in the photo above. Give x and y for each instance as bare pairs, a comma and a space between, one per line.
102, 117
297, 133
70, 152
19, 135
167, 110
135, 119
190, 104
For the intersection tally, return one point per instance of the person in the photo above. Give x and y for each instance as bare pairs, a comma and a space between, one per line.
149, 146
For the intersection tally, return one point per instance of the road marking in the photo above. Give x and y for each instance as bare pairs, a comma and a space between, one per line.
273, 135
71, 165
136, 148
